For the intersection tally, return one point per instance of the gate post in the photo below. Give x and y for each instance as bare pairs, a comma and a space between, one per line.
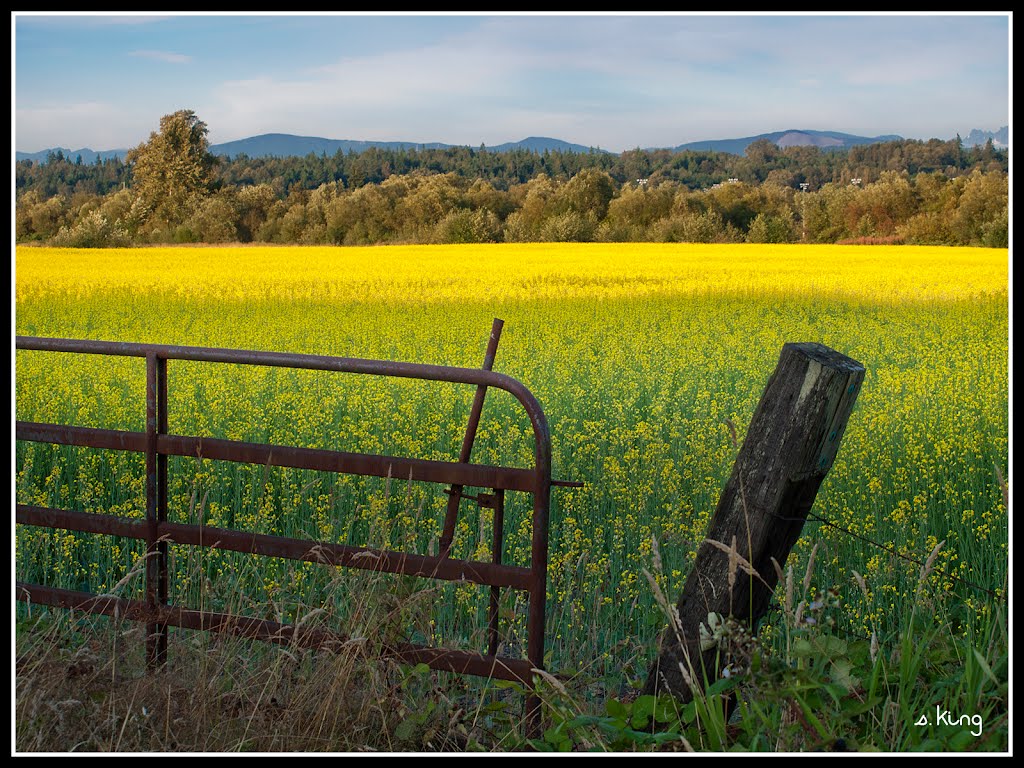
790, 446
156, 509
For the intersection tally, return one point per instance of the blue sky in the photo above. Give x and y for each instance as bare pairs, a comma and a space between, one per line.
612, 81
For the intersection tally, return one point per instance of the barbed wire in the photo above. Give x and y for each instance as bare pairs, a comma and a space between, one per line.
892, 551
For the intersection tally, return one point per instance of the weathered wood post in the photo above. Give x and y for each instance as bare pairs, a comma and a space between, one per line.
790, 446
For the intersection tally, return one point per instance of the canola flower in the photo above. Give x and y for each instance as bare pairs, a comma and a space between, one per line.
639, 354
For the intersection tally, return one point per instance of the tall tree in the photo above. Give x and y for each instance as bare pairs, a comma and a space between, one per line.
173, 171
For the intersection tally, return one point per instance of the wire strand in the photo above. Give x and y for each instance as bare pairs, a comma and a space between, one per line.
890, 550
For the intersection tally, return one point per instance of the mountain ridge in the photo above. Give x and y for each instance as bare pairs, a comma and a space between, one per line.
291, 145
977, 137
791, 137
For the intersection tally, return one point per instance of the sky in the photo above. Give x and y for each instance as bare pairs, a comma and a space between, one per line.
611, 81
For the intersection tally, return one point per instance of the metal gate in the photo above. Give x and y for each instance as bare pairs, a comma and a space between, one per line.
157, 444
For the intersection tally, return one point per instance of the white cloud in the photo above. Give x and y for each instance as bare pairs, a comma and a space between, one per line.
407, 86
38, 128
87, 19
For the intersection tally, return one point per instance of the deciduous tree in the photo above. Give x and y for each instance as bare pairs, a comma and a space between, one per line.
173, 171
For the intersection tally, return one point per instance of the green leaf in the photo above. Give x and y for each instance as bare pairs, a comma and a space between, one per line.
984, 666
721, 686
860, 651
556, 735
961, 741
836, 691
406, 729
689, 712
644, 705
643, 709
842, 673
812, 718
665, 710
616, 708
801, 648
852, 707
833, 646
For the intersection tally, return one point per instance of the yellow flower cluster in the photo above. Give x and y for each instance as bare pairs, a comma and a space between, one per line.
639, 353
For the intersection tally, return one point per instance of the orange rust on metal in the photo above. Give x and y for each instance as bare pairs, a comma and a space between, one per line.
455, 492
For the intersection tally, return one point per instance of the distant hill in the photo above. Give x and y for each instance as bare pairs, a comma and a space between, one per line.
286, 145
1000, 138
791, 138
88, 155
543, 144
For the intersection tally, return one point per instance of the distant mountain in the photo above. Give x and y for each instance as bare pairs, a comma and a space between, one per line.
541, 144
286, 145
791, 138
1000, 138
88, 156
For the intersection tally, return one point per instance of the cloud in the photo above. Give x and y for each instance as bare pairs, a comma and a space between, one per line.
613, 81
43, 127
165, 56
93, 19
405, 87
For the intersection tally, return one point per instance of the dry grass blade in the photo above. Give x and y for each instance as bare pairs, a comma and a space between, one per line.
134, 571
659, 595
810, 567
928, 566
551, 680
740, 561
732, 433
862, 584
1004, 487
789, 591
734, 557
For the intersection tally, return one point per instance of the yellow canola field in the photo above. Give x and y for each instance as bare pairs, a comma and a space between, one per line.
515, 272
639, 354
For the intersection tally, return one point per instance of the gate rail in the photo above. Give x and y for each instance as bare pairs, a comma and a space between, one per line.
157, 444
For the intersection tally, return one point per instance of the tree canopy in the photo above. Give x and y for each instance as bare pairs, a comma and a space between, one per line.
173, 171
172, 189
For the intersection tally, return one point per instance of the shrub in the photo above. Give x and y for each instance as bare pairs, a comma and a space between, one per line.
93, 230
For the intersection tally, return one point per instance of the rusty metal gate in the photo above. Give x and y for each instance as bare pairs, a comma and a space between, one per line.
157, 444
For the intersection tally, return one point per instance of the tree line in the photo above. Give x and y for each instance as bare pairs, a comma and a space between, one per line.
172, 190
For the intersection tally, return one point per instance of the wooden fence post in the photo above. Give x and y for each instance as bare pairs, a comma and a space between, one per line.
790, 446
